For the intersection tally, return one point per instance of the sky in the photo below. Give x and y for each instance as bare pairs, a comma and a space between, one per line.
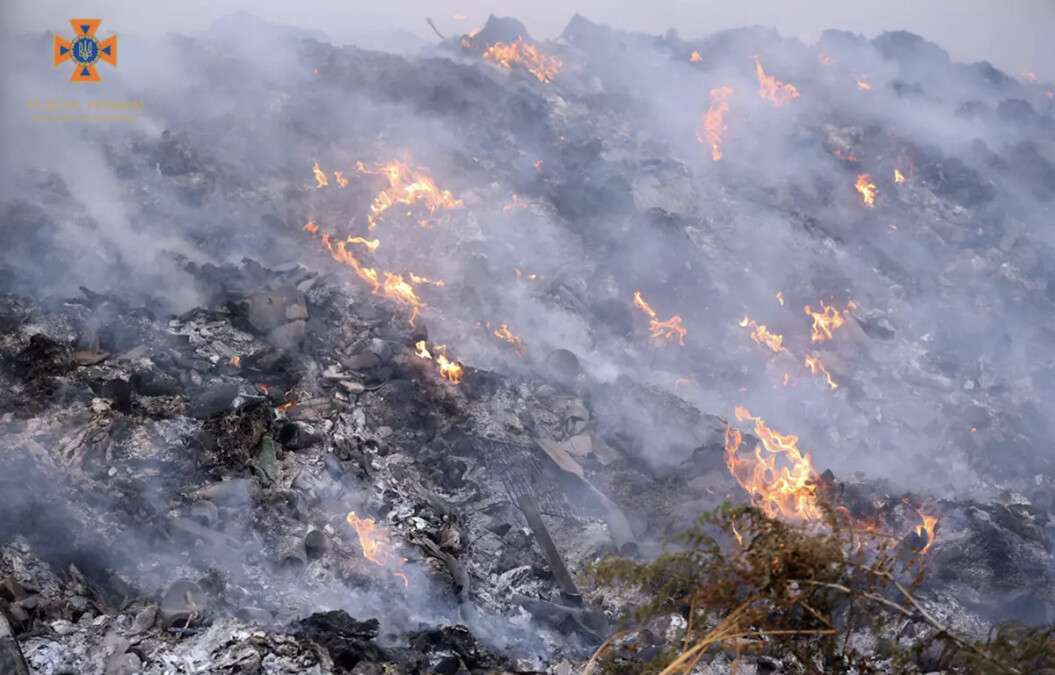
1015, 35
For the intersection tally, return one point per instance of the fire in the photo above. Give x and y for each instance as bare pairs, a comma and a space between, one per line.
236, 361
789, 491
898, 176
449, 370
320, 177
713, 125
515, 203
285, 406
503, 333
695, 57
669, 330
763, 336
815, 365
826, 321
771, 89
863, 83
341, 180
824, 59
780, 298
377, 545
505, 54
387, 284
406, 185
867, 188
927, 527
530, 276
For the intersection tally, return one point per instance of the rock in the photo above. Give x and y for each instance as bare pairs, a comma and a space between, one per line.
182, 604
288, 336
153, 382
212, 401
563, 365
347, 640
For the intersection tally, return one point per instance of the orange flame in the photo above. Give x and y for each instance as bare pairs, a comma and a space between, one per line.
377, 545
320, 177
236, 361
827, 320
780, 298
406, 185
389, 285
771, 89
762, 335
824, 59
713, 125
789, 491
503, 333
815, 365
863, 83
669, 330
898, 176
928, 527
449, 370
515, 203
867, 188
339, 177
505, 54
695, 57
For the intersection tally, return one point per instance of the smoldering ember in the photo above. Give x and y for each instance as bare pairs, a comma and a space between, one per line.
612, 352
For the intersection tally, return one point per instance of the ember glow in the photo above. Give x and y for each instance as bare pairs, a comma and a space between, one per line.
407, 185
898, 176
827, 320
671, 329
816, 366
763, 336
695, 57
377, 545
780, 298
712, 127
864, 83
771, 89
867, 188
449, 370
788, 491
503, 333
527, 55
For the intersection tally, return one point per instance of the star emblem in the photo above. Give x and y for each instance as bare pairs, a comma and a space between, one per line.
84, 50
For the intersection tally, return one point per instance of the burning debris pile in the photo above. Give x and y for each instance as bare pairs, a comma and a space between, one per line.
399, 393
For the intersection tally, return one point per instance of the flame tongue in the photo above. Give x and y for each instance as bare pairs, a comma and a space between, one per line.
713, 126
527, 55
451, 371
671, 329
788, 491
763, 336
377, 545
826, 321
771, 89
867, 189
406, 185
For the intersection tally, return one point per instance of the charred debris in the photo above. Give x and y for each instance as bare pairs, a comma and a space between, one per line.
340, 465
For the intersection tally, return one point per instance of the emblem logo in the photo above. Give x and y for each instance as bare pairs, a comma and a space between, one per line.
84, 50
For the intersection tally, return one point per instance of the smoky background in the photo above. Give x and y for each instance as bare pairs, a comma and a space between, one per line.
626, 199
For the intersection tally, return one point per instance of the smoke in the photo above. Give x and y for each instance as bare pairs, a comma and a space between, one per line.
578, 194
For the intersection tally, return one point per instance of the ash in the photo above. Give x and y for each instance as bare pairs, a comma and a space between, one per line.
347, 361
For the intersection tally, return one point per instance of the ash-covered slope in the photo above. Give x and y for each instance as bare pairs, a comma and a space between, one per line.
499, 299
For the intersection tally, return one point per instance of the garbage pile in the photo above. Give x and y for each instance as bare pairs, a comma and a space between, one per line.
368, 381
